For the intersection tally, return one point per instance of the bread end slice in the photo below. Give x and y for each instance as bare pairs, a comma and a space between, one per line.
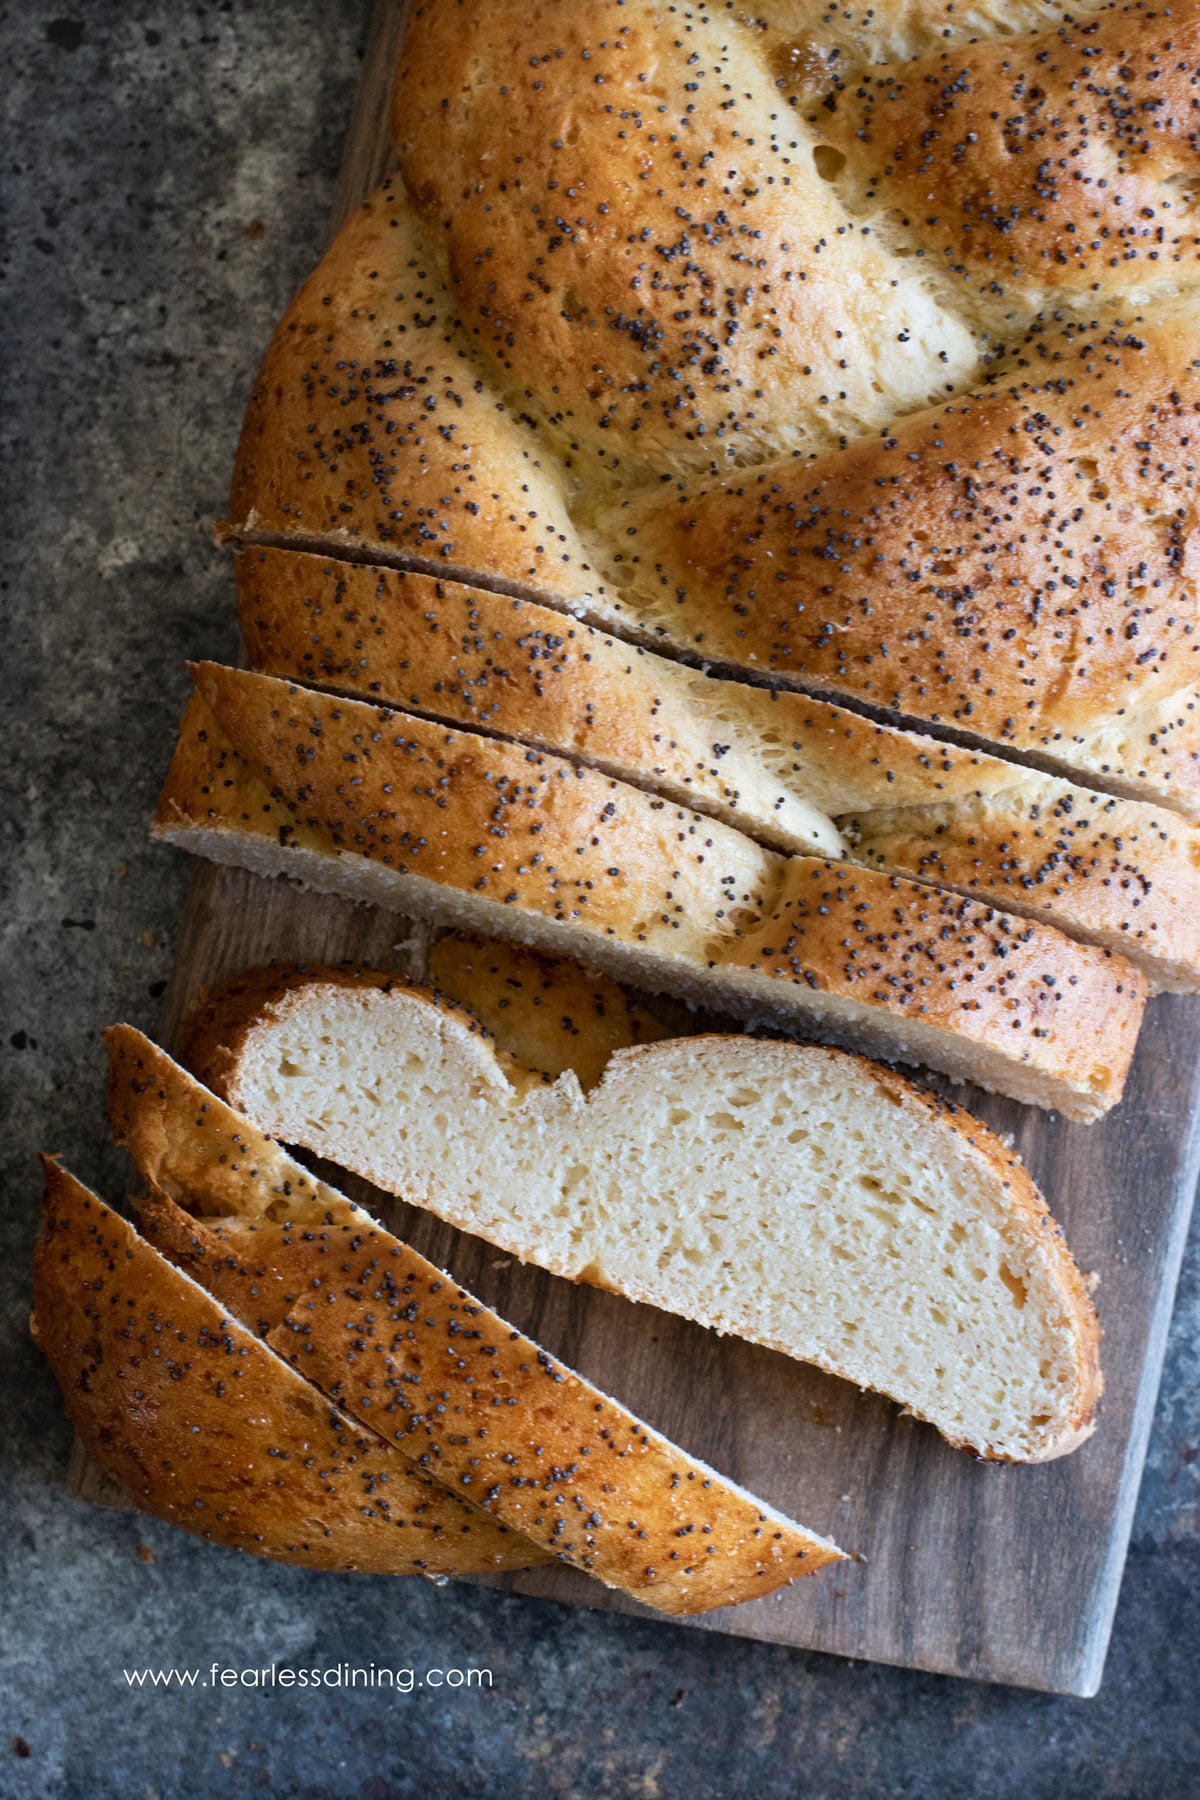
207, 1428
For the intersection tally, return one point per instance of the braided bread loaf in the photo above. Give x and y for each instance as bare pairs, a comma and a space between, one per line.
849, 350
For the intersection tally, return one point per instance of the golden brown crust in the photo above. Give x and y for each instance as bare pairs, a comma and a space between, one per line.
369, 426
1002, 617
1058, 160
634, 1511
655, 252
237, 1024
1019, 564
1150, 754
527, 830
148, 1092
1122, 874
506, 665
207, 1428
458, 1390
399, 638
209, 784
939, 960
548, 1011
639, 242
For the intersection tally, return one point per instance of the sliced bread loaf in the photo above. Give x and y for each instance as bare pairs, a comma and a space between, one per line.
477, 832
205, 1426
799, 1197
402, 1347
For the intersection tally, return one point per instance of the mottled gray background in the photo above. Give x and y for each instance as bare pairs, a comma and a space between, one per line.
168, 176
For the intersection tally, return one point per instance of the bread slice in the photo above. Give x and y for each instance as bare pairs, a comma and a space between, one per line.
401, 1346
796, 1196
505, 665
206, 1427
793, 772
470, 831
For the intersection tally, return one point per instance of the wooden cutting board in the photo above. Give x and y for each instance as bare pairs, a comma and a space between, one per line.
1005, 1574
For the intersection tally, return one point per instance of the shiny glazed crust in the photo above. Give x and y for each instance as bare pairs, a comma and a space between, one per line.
729, 335
958, 140
369, 426
1018, 564
549, 1011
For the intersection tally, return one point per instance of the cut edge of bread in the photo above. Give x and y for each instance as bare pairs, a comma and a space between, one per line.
819, 1210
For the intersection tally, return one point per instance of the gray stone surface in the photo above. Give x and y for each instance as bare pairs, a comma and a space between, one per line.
169, 172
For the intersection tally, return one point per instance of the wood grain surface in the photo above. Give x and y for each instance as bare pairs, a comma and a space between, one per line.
1005, 1574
